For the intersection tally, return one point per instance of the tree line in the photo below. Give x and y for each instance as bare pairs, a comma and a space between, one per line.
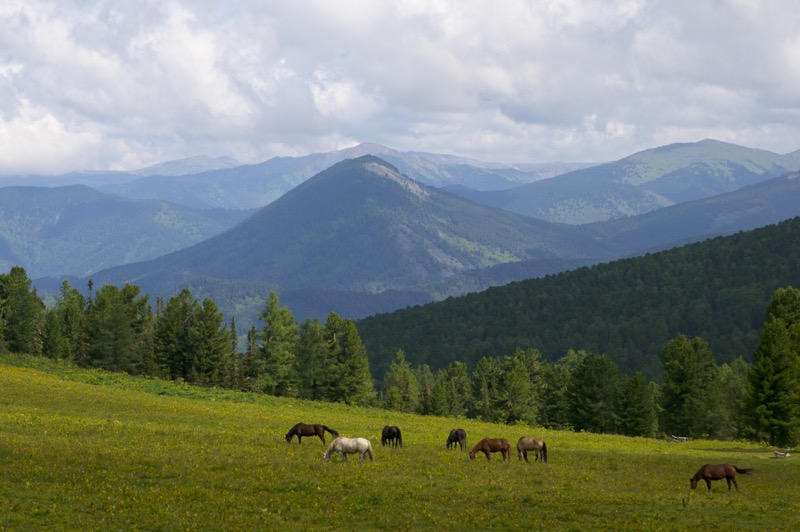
184, 339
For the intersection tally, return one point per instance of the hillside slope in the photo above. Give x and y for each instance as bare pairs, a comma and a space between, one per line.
75, 230
718, 289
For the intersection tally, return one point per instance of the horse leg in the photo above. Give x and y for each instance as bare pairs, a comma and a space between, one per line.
344, 456
488, 456
708, 483
732, 479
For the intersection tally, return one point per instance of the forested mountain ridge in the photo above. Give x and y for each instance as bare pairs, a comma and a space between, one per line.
76, 230
716, 289
641, 182
362, 227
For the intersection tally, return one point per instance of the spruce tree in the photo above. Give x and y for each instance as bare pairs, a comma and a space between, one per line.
774, 377
278, 346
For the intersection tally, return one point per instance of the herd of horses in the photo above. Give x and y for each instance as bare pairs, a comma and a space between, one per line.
392, 436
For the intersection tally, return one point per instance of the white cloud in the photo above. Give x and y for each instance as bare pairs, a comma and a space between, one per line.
94, 84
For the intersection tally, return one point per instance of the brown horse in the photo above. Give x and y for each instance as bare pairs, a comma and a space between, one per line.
492, 445
301, 429
539, 448
711, 472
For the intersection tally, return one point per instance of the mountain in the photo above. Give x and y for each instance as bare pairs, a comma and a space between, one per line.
629, 309
643, 182
256, 185
361, 227
747, 208
190, 165
76, 230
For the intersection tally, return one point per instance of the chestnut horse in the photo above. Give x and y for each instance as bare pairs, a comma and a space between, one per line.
457, 436
711, 472
301, 429
492, 445
539, 448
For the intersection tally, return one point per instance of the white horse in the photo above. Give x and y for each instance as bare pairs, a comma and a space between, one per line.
345, 446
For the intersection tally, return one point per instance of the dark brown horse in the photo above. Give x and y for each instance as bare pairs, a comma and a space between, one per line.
457, 436
492, 445
391, 436
301, 429
539, 448
711, 472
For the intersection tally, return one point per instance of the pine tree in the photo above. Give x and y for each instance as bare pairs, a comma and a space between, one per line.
774, 403
174, 343
22, 313
313, 365
636, 410
212, 344
689, 371
353, 380
592, 394
486, 390
278, 346
401, 387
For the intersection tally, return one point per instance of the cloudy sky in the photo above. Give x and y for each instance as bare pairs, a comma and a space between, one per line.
92, 84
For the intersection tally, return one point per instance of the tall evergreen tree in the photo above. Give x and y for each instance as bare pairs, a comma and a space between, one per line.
70, 310
278, 346
353, 382
517, 397
212, 345
774, 403
22, 313
313, 364
118, 325
554, 400
174, 342
636, 411
401, 387
592, 394
689, 371
426, 382
486, 391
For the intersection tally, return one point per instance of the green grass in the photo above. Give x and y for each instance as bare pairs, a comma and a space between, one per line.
93, 450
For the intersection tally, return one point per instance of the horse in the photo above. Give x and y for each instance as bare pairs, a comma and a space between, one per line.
302, 429
345, 446
391, 435
711, 472
457, 436
492, 445
539, 448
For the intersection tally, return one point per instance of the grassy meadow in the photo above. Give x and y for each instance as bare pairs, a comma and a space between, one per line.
93, 450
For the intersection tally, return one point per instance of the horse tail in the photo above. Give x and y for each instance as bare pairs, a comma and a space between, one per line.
742, 471
399, 437
369, 452
335, 434
544, 452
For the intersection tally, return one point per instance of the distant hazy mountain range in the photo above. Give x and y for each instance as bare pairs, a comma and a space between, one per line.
364, 233
76, 230
643, 182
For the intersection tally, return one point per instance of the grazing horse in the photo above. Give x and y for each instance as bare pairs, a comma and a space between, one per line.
301, 429
457, 436
539, 448
711, 472
345, 446
492, 445
392, 436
